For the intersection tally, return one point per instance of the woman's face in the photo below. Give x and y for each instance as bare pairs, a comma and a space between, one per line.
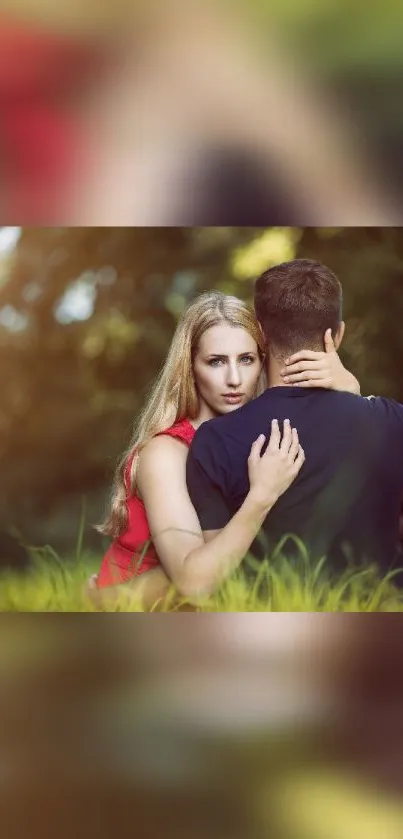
226, 368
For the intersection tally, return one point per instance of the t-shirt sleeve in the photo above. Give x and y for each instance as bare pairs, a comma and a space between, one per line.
391, 413
204, 482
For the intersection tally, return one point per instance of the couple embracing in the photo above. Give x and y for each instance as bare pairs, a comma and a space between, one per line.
254, 430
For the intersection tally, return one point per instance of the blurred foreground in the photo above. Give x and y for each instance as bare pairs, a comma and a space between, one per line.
283, 726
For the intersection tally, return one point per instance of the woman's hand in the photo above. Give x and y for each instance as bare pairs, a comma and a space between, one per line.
144, 592
319, 369
91, 591
272, 473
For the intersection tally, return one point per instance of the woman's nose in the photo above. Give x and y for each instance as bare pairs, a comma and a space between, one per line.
233, 375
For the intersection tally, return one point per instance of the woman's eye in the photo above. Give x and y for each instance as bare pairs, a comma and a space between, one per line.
214, 362
248, 359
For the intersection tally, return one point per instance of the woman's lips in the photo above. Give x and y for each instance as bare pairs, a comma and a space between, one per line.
233, 397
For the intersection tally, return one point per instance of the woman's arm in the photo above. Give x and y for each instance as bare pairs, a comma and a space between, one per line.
178, 536
195, 567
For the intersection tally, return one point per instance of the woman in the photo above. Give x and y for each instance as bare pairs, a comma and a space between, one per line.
217, 351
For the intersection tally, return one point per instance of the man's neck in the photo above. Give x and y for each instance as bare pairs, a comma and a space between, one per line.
273, 369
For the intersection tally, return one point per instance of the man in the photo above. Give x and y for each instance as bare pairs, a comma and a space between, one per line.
345, 502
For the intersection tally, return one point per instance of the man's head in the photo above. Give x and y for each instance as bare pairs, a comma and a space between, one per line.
295, 303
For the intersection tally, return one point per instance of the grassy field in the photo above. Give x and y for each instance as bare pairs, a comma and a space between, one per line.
56, 584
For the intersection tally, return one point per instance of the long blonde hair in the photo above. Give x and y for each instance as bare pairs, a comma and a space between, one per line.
173, 395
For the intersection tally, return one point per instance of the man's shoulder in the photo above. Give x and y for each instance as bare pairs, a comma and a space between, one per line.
208, 434
382, 403
207, 452
218, 429
385, 412
373, 402
385, 405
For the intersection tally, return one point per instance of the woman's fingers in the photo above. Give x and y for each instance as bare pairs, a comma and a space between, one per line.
275, 436
287, 443
294, 448
323, 382
303, 355
287, 437
91, 583
311, 375
304, 366
329, 343
299, 460
256, 447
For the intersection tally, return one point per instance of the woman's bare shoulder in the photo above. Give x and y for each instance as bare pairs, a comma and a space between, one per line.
162, 467
163, 449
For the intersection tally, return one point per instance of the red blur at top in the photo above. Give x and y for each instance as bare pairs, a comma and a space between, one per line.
42, 74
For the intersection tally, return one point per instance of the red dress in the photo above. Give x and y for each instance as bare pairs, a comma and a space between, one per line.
133, 553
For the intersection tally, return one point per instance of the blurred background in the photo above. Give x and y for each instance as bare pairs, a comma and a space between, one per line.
200, 113
86, 319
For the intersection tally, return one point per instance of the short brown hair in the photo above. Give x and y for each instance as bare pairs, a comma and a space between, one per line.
296, 302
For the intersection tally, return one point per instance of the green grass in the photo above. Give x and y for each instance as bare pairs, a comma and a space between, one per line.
56, 584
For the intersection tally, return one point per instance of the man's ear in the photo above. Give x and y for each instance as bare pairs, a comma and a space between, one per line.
265, 342
261, 330
339, 335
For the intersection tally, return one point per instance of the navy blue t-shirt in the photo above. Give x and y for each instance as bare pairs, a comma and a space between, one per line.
346, 500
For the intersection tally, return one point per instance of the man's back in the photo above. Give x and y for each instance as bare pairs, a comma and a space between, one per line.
346, 500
